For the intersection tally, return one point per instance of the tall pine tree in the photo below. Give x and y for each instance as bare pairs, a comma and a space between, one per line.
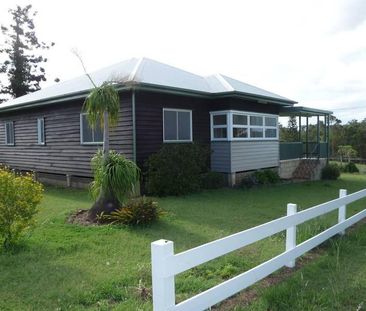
22, 64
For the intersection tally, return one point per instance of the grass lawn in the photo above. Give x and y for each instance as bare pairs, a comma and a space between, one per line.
68, 267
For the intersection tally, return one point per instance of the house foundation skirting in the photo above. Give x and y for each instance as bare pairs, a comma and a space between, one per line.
288, 167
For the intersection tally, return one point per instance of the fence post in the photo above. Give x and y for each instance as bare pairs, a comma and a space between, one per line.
163, 286
291, 233
342, 209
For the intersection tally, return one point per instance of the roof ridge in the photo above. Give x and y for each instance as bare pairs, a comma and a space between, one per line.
133, 73
223, 82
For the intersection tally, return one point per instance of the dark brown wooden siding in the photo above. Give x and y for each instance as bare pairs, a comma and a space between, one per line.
63, 152
149, 117
149, 120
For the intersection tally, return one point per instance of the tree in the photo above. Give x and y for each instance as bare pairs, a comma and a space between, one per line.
290, 133
346, 151
22, 64
114, 176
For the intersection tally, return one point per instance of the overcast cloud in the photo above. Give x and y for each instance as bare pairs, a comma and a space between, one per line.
311, 51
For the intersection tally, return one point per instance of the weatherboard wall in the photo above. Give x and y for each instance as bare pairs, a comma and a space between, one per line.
239, 156
63, 153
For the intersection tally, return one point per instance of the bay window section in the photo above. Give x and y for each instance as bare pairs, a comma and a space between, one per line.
241, 125
219, 126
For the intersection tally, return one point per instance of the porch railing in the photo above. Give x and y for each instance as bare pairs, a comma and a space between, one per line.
298, 150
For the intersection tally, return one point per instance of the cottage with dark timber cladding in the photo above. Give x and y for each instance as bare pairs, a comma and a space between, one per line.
47, 132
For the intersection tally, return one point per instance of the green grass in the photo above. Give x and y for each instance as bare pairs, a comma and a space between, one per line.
69, 267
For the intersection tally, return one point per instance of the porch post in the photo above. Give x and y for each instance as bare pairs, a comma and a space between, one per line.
307, 136
328, 135
300, 127
318, 137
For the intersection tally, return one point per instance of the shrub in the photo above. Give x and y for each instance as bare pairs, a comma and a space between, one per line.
19, 198
331, 172
212, 180
261, 177
350, 167
116, 176
140, 211
176, 169
264, 177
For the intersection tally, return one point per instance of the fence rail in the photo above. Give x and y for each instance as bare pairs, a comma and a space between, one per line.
166, 264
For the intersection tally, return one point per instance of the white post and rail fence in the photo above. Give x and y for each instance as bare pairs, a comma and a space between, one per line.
166, 264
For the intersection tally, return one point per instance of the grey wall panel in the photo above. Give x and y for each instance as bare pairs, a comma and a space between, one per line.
221, 156
251, 155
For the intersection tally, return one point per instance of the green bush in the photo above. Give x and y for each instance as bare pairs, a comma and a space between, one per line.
212, 180
176, 169
265, 177
350, 167
115, 177
260, 177
19, 198
331, 172
140, 211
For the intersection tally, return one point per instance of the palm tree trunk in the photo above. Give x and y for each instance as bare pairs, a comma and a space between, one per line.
105, 136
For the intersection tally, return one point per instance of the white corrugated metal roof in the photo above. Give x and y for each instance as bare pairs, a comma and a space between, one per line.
148, 72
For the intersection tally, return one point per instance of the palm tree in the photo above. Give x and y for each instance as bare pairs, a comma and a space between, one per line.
114, 176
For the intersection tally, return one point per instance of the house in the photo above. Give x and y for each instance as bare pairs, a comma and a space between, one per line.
47, 132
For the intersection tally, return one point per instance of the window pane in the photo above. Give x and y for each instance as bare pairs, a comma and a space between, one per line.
240, 132
86, 130
271, 133
240, 119
219, 119
170, 125
220, 132
98, 135
270, 121
40, 128
256, 132
184, 125
254, 120
9, 139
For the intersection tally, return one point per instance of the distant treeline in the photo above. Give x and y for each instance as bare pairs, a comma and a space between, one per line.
352, 133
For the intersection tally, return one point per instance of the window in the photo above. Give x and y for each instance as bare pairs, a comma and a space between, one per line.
241, 125
177, 125
40, 131
87, 134
219, 126
270, 127
9, 133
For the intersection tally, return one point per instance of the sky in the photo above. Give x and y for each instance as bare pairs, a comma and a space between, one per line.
313, 52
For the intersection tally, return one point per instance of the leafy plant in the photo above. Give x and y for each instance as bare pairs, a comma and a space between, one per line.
115, 177
176, 169
140, 211
260, 177
331, 172
19, 198
212, 180
350, 167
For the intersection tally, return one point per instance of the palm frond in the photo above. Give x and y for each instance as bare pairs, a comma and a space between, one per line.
101, 99
115, 177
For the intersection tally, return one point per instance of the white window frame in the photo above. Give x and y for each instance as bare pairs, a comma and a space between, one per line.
178, 140
6, 134
230, 125
41, 134
82, 136
212, 114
